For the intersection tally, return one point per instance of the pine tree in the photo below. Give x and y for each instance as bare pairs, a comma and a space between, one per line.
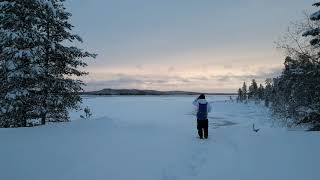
59, 89
20, 47
240, 95
261, 92
268, 91
244, 91
250, 92
253, 90
314, 32
312, 68
38, 69
296, 92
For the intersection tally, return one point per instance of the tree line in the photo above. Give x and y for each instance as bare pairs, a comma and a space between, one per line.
38, 64
255, 92
295, 93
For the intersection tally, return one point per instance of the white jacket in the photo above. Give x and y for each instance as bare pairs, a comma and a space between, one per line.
197, 101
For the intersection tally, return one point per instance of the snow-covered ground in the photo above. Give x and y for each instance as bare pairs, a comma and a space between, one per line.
154, 138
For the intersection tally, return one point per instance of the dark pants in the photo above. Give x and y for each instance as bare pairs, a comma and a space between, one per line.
202, 126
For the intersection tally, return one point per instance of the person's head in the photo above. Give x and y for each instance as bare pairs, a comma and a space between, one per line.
202, 96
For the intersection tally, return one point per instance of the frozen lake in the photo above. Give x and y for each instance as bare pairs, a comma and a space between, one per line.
155, 137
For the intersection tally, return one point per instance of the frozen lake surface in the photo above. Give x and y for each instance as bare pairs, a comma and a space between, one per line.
155, 138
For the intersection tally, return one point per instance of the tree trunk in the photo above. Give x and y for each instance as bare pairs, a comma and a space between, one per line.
43, 119
24, 123
46, 65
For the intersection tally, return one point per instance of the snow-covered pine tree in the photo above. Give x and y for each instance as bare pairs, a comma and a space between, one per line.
296, 92
311, 67
244, 91
250, 92
261, 92
38, 69
253, 90
268, 91
240, 95
20, 49
290, 89
59, 86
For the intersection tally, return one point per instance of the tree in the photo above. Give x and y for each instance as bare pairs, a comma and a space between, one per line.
59, 89
244, 91
240, 95
311, 68
268, 91
253, 90
296, 92
20, 49
314, 32
38, 69
261, 92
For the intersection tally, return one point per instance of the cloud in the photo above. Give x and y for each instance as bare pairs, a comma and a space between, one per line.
227, 81
138, 81
227, 66
260, 76
171, 69
139, 67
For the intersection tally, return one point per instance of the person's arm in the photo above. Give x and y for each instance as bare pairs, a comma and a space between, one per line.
195, 102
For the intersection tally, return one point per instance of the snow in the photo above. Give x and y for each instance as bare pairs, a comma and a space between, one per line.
11, 65
154, 137
315, 16
13, 94
53, 46
3, 110
11, 35
311, 32
5, 4
37, 69
49, 5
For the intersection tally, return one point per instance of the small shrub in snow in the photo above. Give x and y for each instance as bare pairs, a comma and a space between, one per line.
87, 113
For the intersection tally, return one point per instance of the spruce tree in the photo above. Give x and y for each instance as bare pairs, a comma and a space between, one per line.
250, 92
253, 90
312, 76
38, 70
240, 95
268, 91
261, 92
244, 91
20, 49
59, 88
296, 92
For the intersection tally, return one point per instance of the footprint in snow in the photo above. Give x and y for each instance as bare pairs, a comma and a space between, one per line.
198, 161
168, 176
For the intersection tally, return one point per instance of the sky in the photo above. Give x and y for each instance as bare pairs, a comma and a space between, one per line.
193, 45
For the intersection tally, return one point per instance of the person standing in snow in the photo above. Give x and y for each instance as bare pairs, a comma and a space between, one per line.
203, 108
